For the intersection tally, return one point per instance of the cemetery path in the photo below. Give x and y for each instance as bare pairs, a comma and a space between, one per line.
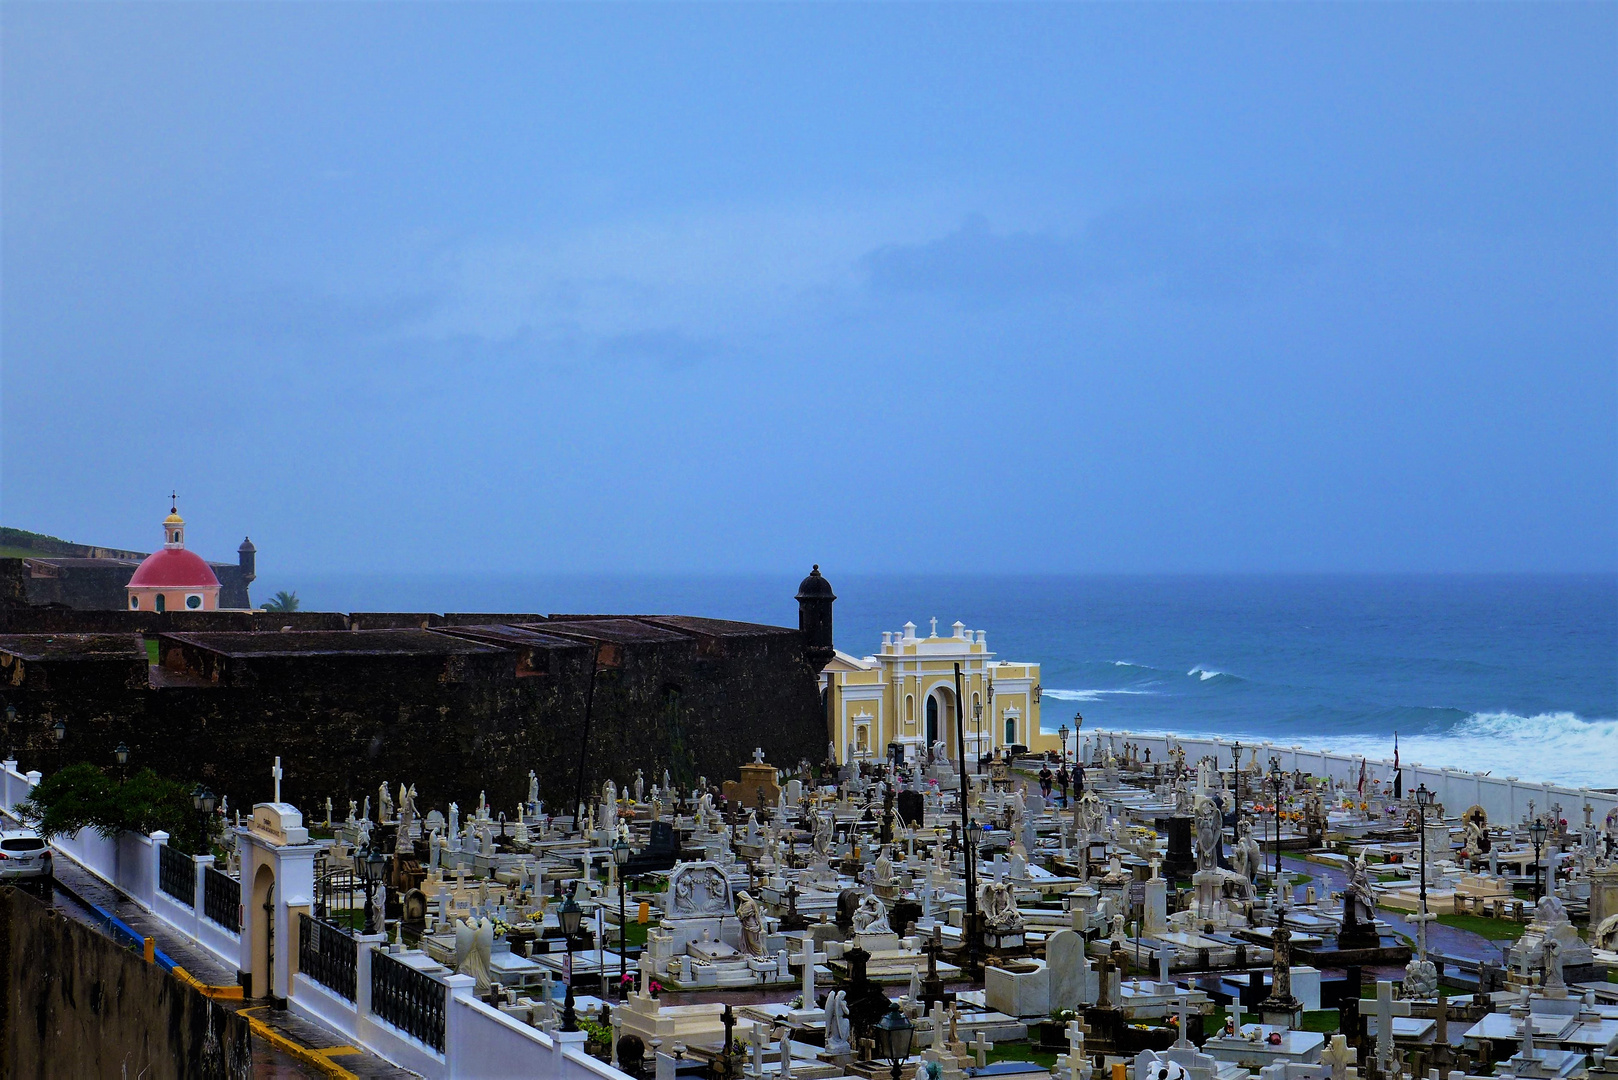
1448, 940
75, 888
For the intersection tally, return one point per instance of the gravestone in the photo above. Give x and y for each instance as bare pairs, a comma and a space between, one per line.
1069, 968
912, 808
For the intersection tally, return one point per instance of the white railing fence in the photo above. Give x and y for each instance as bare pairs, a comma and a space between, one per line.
479, 1041
1504, 798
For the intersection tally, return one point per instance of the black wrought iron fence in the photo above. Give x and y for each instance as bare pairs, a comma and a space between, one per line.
410, 1001
327, 954
222, 899
177, 875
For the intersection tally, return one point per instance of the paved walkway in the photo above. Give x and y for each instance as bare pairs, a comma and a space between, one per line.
285, 1046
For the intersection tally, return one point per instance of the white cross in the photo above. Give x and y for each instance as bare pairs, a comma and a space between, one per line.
808, 958
1075, 1047
1338, 1057
982, 1046
1384, 1023
1235, 1013
758, 1049
758, 755
1183, 1006
937, 1017
275, 773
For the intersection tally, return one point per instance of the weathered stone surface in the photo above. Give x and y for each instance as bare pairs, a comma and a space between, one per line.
75, 1004
456, 704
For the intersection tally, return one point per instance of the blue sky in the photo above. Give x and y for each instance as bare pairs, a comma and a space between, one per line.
674, 288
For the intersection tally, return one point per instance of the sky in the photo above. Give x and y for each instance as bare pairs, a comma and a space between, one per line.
938, 288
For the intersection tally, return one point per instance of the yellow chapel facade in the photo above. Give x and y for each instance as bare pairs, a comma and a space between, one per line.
905, 695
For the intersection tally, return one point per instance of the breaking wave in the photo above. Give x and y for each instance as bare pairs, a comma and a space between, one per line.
1088, 695
1557, 747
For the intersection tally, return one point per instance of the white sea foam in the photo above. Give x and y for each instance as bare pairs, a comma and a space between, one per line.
1557, 747
1205, 673
1088, 695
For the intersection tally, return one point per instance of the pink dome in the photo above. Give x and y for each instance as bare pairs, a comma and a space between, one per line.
174, 568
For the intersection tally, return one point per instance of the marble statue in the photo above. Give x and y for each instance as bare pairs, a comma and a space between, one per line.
1208, 828
384, 803
533, 787
871, 917
751, 917
837, 1025
609, 807
999, 907
699, 890
1246, 857
640, 786
1359, 901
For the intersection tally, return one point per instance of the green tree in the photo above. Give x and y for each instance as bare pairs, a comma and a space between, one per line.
83, 796
282, 601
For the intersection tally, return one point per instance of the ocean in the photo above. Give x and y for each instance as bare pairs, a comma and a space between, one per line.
1513, 674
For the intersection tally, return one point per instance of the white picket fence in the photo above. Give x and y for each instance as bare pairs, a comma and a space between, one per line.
479, 1041
1504, 798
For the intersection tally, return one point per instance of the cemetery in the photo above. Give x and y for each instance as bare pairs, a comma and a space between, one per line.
1152, 915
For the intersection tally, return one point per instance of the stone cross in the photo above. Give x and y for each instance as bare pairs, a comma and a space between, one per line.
275, 774
758, 755
936, 1016
757, 1067
1075, 1048
808, 958
1384, 1025
1338, 1057
1235, 1014
981, 1046
1165, 959
1183, 1007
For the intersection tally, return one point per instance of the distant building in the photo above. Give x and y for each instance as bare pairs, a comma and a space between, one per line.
905, 695
173, 578
42, 571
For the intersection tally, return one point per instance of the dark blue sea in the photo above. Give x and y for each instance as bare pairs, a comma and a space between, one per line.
1513, 674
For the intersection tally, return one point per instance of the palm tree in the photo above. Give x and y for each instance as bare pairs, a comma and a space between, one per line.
282, 601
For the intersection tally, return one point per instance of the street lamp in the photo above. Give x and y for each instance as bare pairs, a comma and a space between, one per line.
1536, 832
122, 754
620, 856
59, 729
894, 1034
1424, 799
568, 916
977, 732
370, 862
202, 801
1276, 779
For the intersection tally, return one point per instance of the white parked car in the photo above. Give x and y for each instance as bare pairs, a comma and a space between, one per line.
23, 855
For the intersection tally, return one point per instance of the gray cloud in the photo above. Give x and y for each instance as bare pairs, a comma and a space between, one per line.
1210, 253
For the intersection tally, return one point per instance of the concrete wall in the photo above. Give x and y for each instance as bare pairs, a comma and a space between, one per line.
1504, 798
75, 1004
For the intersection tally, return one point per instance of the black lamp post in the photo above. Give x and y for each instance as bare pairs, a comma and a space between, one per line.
568, 915
1424, 799
990, 694
894, 1034
122, 754
370, 862
1276, 779
202, 801
1536, 832
977, 734
59, 729
620, 856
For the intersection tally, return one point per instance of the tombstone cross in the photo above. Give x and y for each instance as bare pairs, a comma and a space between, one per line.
275, 774
1384, 1025
1183, 1007
758, 755
1338, 1057
808, 958
982, 1046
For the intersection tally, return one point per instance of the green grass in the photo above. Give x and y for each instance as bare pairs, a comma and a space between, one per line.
1492, 929
1322, 1020
1020, 1051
